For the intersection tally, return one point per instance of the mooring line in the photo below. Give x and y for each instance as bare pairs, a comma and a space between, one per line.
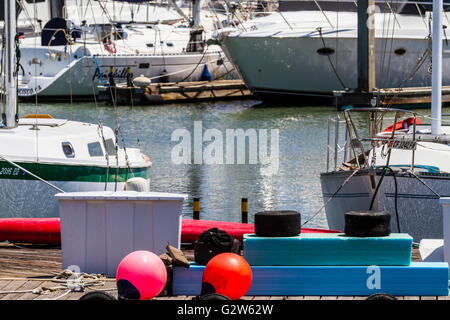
31, 174
326, 203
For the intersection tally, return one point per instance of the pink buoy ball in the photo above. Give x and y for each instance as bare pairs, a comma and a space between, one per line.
141, 275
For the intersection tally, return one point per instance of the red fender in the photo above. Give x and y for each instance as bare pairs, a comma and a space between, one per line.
48, 230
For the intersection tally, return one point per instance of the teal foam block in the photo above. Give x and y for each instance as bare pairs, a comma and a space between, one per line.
418, 279
328, 249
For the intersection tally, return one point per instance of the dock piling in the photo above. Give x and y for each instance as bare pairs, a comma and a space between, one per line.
244, 210
196, 212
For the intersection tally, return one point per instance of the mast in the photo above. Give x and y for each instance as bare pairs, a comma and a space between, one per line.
366, 45
196, 13
10, 67
436, 93
56, 8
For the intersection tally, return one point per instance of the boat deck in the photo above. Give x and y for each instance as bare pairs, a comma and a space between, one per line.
25, 268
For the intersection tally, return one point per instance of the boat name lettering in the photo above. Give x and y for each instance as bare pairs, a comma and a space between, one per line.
405, 145
9, 171
120, 73
28, 91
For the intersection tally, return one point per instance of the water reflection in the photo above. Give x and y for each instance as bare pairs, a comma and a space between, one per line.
302, 143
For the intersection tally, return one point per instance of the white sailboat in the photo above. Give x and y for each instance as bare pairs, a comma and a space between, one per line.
161, 52
301, 57
403, 170
41, 156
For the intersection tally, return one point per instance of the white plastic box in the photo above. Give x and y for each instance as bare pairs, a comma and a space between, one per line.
98, 229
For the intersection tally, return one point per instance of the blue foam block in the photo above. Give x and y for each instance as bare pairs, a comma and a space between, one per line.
418, 279
328, 249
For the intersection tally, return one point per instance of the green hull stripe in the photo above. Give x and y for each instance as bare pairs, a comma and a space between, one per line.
60, 172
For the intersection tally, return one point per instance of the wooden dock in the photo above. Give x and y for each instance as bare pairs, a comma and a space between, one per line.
174, 92
412, 97
27, 268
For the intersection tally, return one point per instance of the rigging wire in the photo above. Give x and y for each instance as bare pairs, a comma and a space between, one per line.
319, 29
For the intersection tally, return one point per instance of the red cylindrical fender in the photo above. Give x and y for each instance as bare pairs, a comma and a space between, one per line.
48, 230
31, 230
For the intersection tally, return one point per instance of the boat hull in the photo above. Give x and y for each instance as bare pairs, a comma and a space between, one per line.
81, 79
24, 196
289, 70
419, 211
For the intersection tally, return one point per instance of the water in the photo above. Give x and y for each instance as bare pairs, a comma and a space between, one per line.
302, 153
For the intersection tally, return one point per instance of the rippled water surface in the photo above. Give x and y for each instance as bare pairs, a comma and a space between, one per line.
302, 153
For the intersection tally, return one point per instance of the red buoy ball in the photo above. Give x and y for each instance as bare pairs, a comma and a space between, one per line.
227, 274
141, 275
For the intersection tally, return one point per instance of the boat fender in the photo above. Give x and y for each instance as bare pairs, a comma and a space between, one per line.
228, 274
381, 296
367, 224
142, 82
206, 75
97, 295
110, 46
283, 223
136, 184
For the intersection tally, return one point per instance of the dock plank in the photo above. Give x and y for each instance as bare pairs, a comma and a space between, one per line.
285, 298
11, 286
328, 298
311, 297
30, 295
411, 298
428, 298
18, 285
28, 267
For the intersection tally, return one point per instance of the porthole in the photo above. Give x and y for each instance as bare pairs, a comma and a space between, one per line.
325, 51
68, 149
400, 51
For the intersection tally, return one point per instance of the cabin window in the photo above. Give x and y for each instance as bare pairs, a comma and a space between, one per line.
95, 149
169, 44
110, 147
144, 65
149, 45
68, 150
